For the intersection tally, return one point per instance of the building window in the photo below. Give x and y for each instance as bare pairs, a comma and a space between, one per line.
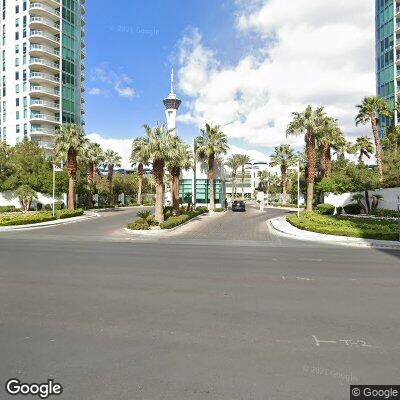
17, 115
25, 130
16, 75
17, 102
17, 88
16, 35
16, 61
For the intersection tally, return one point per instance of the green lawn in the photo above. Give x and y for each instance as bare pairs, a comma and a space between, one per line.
346, 226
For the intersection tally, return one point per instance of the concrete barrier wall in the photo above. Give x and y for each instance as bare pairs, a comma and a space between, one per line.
389, 201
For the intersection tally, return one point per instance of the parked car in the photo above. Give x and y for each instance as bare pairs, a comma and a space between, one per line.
238, 205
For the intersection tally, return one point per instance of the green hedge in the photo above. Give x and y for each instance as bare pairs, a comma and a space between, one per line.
172, 222
59, 206
325, 209
202, 209
352, 208
62, 214
8, 209
383, 212
24, 219
220, 209
289, 205
139, 224
346, 226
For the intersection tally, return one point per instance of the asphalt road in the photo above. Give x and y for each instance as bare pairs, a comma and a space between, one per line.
229, 311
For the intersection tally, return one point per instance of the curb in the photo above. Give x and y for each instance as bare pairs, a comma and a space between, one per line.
284, 228
164, 232
48, 223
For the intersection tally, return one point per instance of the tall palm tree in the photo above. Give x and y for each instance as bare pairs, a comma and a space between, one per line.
139, 157
369, 111
329, 137
310, 123
363, 147
180, 158
157, 145
111, 160
285, 157
68, 145
243, 159
93, 155
212, 143
233, 163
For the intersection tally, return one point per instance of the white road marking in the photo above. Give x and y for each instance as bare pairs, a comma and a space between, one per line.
346, 342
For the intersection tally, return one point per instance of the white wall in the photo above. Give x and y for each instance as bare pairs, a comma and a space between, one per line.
7, 199
389, 201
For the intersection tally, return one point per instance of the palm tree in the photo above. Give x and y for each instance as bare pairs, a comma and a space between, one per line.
212, 143
157, 150
309, 123
369, 110
139, 157
93, 156
363, 147
111, 160
284, 157
233, 163
180, 158
330, 137
243, 159
68, 145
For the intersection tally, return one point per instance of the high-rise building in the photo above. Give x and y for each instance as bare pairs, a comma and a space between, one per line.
42, 68
387, 33
171, 103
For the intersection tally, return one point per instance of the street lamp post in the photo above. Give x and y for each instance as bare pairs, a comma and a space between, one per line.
298, 187
55, 169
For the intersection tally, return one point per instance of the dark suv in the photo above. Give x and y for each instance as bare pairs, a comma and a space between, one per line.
238, 205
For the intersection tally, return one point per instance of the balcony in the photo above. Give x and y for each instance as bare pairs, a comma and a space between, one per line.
40, 132
44, 143
43, 37
38, 50
43, 10
38, 105
45, 91
43, 117
41, 77
40, 23
41, 64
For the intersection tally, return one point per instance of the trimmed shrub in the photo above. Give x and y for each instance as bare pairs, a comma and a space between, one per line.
220, 209
63, 214
383, 212
172, 222
25, 219
139, 224
152, 221
291, 205
148, 202
325, 209
339, 210
59, 206
144, 214
8, 209
346, 226
352, 208
202, 209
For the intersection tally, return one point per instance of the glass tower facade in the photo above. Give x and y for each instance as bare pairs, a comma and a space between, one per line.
386, 54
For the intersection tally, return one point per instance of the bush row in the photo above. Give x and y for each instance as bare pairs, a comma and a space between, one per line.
8, 209
346, 226
383, 212
36, 217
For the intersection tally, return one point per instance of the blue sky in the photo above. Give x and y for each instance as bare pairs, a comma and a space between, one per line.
253, 62
137, 40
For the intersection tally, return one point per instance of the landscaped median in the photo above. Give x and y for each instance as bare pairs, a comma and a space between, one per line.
146, 221
366, 228
15, 219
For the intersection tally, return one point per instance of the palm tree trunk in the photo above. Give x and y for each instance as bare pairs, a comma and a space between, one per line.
175, 174
378, 148
158, 172
243, 182
283, 183
110, 177
72, 167
310, 151
90, 179
211, 176
367, 202
140, 183
326, 161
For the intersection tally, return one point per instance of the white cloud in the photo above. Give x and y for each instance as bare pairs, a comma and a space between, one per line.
120, 83
121, 146
95, 91
313, 52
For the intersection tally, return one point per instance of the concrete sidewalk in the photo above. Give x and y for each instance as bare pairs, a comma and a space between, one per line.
284, 228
